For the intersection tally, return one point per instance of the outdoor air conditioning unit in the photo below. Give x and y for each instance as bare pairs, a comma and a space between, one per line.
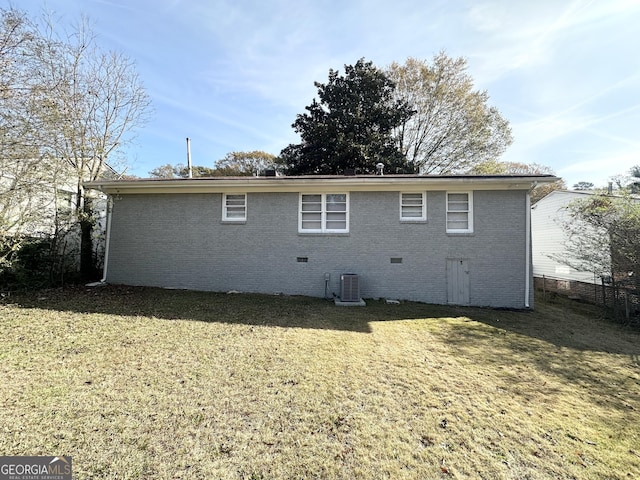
349, 287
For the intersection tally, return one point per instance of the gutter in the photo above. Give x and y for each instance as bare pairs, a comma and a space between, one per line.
316, 184
527, 248
107, 239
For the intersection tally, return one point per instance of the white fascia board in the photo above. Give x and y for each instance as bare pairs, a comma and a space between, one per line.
316, 184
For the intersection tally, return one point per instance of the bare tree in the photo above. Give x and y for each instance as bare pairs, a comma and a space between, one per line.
25, 169
629, 182
96, 102
76, 106
453, 128
587, 246
494, 167
603, 236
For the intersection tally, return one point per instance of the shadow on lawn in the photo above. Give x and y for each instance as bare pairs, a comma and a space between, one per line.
563, 325
249, 309
559, 339
564, 340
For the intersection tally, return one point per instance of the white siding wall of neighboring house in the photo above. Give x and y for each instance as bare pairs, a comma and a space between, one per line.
549, 239
32, 212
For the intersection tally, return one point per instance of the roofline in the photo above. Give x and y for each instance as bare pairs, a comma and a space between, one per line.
592, 193
320, 183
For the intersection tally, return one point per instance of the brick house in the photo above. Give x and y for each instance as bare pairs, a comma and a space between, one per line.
437, 239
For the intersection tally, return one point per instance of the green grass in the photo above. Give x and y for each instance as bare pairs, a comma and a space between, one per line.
150, 383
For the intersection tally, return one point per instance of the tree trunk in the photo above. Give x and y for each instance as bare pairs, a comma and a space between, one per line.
87, 265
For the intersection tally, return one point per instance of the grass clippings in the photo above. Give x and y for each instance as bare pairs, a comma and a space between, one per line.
149, 383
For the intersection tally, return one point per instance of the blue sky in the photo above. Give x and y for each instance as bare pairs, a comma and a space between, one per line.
233, 74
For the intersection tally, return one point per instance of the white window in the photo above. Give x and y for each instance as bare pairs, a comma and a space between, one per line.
413, 207
324, 213
459, 212
234, 207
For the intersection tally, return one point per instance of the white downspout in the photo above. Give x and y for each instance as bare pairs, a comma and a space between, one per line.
527, 248
107, 239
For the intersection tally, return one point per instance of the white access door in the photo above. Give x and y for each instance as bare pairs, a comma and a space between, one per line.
458, 281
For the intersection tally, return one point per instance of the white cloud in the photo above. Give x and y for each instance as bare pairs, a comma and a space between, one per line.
599, 169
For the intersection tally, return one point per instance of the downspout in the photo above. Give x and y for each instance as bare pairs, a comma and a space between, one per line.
107, 239
527, 248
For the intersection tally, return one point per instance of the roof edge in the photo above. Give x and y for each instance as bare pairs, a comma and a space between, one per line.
319, 182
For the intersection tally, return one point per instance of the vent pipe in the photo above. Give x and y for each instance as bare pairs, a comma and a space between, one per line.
189, 168
380, 167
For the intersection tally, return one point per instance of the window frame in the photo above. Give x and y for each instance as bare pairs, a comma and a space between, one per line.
225, 208
422, 217
323, 213
468, 211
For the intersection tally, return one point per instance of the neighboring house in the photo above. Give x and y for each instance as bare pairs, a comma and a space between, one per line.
40, 206
549, 236
28, 206
436, 239
551, 257
554, 266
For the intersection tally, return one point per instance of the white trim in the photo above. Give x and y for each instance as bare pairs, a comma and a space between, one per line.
323, 213
320, 184
423, 216
107, 241
225, 211
469, 212
527, 249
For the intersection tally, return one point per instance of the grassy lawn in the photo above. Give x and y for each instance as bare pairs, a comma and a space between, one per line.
150, 383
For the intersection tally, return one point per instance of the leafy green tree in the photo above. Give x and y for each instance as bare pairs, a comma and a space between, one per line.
181, 170
233, 164
164, 171
583, 186
196, 171
495, 167
246, 163
453, 128
350, 125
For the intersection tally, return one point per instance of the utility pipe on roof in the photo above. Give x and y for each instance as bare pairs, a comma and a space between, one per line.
190, 169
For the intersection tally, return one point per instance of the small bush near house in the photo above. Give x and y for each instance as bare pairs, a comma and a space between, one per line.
36, 263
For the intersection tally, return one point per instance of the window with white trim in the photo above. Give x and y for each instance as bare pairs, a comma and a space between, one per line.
324, 213
413, 206
459, 212
234, 207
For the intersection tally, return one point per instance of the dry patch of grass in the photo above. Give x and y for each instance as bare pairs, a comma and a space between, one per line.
148, 383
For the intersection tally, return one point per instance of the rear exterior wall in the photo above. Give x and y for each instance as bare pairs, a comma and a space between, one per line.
179, 241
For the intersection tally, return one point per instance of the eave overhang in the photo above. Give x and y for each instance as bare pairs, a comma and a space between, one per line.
358, 183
